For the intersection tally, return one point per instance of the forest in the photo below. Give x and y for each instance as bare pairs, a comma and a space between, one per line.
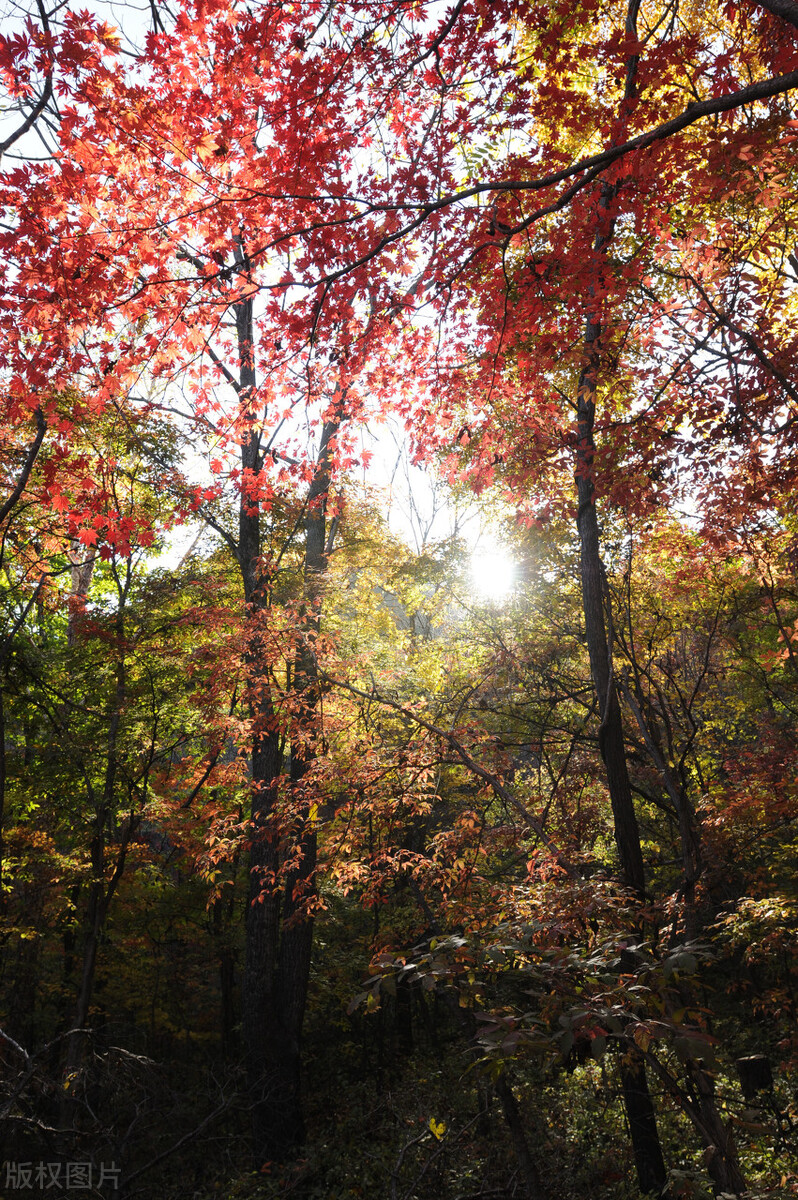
329, 869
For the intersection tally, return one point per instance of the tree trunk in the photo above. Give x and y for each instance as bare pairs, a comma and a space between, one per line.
279, 920
6, 646
689, 830
101, 890
697, 1101
533, 1189
226, 959
276, 960
594, 586
594, 591
649, 1163
296, 935
640, 1112
3, 779
720, 1152
273, 1086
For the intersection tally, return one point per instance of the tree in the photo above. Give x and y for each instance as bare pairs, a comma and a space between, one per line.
225, 205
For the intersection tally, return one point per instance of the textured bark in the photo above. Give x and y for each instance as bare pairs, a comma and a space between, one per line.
786, 9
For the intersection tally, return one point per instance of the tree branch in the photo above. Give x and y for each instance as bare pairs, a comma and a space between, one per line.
786, 9
41, 103
30, 459
476, 768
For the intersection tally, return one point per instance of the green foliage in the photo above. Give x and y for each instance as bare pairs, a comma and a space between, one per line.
451, 944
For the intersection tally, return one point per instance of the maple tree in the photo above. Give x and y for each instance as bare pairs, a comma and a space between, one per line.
555, 240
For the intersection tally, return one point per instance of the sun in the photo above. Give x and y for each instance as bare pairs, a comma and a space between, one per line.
493, 574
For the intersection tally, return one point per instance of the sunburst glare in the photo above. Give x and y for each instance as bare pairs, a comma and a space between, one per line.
493, 573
